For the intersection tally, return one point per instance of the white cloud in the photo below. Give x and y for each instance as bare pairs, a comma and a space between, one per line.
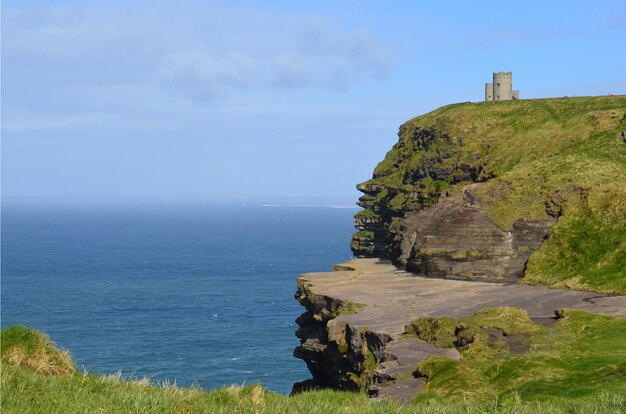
202, 51
337, 60
199, 75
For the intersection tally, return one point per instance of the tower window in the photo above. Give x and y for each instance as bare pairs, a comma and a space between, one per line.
498, 85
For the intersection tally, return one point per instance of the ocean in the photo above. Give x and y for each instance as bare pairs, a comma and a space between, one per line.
186, 293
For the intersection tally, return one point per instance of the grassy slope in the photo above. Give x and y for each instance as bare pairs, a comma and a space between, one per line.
24, 390
576, 356
25, 348
540, 150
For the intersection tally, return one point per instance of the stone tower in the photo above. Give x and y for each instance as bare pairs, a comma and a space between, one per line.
488, 92
502, 88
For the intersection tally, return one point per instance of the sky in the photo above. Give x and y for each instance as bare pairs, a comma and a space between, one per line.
274, 100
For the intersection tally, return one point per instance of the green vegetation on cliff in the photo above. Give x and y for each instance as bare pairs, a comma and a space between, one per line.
506, 356
535, 160
586, 249
26, 389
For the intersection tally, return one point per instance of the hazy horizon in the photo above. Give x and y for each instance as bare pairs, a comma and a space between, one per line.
180, 199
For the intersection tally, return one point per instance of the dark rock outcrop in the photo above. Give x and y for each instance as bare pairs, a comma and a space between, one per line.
422, 229
439, 165
349, 356
456, 239
338, 355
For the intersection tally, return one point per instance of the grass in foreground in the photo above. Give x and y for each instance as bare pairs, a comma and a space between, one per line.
25, 390
27, 348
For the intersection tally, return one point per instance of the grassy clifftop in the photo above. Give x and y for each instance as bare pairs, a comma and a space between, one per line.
536, 160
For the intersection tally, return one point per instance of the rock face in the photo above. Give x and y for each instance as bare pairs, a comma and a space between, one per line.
411, 218
338, 355
456, 239
452, 238
352, 331
350, 356
385, 204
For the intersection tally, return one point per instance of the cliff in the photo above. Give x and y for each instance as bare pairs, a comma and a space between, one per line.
525, 191
472, 205
369, 326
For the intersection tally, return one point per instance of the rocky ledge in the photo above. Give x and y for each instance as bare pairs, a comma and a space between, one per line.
352, 331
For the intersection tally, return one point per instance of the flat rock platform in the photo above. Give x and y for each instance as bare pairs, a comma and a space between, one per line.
394, 297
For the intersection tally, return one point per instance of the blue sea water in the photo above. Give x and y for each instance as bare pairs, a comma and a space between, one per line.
194, 293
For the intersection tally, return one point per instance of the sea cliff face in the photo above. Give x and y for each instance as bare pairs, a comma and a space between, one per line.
471, 191
427, 226
485, 194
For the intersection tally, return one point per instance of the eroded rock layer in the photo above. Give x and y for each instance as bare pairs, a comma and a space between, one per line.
456, 239
352, 331
386, 232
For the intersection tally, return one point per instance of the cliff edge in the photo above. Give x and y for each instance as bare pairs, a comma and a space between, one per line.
528, 191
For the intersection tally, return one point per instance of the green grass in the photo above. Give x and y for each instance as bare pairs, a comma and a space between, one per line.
585, 250
528, 154
347, 308
364, 234
25, 390
26, 348
437, 331
366, 214
579, 355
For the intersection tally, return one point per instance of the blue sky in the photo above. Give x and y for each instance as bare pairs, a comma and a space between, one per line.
243, 100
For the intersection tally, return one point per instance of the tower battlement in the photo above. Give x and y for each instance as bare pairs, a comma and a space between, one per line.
503, 75
501, 89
